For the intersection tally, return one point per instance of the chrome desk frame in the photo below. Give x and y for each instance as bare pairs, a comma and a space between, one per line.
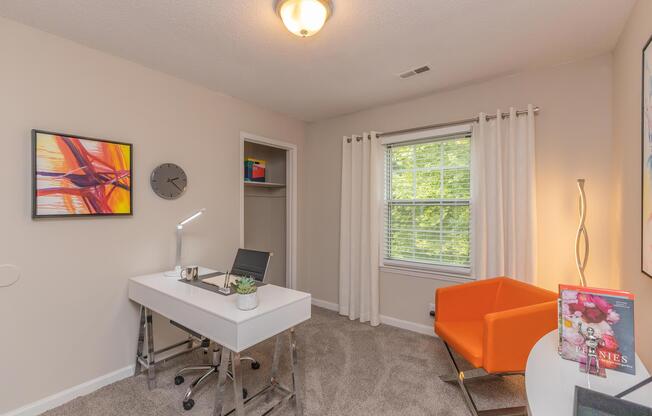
145, 354
295, 394
145, 359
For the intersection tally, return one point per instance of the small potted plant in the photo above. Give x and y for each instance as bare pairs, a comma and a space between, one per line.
247, 293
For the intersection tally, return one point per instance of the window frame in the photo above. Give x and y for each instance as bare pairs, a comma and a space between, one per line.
415, 268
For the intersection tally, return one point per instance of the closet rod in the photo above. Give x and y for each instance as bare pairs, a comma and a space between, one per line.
448, 124
264, 196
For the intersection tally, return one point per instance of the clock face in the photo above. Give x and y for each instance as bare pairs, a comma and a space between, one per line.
168, 181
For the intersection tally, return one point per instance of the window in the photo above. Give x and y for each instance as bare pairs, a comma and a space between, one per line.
427, 209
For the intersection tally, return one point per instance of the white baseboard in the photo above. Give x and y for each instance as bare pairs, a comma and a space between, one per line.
57, 399
387, 320
326, 305
409, 325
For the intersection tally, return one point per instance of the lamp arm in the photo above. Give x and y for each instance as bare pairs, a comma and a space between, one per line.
177, 263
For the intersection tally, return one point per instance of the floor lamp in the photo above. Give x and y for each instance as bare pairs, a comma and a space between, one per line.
581, 260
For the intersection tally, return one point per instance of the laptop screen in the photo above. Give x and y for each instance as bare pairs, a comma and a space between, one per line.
250, 263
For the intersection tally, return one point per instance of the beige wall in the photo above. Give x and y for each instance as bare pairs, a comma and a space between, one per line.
573, 141
68, 319
627, 171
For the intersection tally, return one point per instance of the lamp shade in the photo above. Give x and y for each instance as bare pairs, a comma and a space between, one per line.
192, 217
304, 17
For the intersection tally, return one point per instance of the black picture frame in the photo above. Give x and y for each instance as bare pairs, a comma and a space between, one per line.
35, 215
648, 273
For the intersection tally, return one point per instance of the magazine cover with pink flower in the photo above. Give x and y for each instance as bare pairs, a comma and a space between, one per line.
598, 323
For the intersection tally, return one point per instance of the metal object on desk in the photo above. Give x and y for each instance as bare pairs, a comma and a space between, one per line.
177, 263
190, 273
227, 288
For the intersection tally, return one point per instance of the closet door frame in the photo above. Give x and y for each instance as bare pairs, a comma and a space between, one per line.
291, 169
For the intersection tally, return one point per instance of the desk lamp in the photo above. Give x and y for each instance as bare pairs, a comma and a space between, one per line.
177, 264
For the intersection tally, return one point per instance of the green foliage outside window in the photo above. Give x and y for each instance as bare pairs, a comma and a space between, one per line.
428, 193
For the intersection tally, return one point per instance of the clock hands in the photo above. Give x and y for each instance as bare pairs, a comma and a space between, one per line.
172, 181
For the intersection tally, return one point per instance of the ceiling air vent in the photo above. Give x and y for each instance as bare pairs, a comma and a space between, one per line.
415, 71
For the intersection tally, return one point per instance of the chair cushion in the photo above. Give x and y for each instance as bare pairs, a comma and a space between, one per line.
465, 337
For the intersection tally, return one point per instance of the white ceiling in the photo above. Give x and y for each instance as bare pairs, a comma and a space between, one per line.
240, 47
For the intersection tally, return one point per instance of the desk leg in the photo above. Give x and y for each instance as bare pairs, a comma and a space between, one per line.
145, 331
141, 340
221, 381
275, 359
237, 383
296, 376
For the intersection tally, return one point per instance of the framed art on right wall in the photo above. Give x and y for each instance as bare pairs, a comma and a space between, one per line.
646, 162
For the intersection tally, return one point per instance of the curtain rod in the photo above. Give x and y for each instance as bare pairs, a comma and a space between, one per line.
535, 110
454, 123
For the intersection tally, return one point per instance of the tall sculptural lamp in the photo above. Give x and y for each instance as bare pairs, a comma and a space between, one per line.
581, 258
177, 264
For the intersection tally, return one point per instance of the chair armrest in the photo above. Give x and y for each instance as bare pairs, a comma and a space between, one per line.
510, 335
468, 301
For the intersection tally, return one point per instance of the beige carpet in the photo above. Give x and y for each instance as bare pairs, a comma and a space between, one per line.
349, 368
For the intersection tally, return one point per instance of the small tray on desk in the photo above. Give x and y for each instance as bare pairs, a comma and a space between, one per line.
199, 283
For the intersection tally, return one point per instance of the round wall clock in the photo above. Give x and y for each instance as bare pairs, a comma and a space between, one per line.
168, 181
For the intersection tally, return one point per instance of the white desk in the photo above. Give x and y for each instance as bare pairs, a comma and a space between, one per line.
550, 381
216, 317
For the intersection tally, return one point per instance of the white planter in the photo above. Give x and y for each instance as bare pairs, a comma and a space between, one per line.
247, 302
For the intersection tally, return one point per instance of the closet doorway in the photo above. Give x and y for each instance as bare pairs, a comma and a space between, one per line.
268, 208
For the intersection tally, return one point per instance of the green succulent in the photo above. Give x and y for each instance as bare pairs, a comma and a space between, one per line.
244, 286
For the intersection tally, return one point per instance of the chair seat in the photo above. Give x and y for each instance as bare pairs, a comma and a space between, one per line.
465, 337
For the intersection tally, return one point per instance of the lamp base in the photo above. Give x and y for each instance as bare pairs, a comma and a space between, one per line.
173, 273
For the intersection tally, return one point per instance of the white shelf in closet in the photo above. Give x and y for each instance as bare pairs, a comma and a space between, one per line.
264, 184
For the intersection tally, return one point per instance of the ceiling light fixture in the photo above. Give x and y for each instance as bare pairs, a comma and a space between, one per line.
304, 17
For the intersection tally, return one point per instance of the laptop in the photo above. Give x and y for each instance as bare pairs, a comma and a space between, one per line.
251, 263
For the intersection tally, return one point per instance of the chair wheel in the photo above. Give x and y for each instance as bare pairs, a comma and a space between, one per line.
245, 393
255, 365
178, 380
188, 404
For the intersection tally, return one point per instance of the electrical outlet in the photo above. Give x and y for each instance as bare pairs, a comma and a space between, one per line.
431, 309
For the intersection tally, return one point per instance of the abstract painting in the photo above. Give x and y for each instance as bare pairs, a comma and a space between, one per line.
646, 165
80, 176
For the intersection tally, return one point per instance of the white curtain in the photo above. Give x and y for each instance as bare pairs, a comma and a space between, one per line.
503, 197
360, 227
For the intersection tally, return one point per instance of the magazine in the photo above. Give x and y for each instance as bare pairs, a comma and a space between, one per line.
602, 317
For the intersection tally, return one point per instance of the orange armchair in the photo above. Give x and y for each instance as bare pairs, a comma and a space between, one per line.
493, 324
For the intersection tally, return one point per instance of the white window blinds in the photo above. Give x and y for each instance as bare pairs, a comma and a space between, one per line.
427, 201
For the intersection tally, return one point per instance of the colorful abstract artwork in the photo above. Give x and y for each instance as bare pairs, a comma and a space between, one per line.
77, 176
646, 177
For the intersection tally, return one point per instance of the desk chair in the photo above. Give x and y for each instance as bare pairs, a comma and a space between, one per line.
250, 263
